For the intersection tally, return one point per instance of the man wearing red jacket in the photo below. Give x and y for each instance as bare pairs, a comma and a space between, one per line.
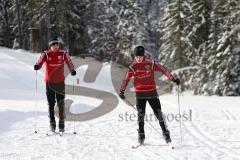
142, 70
54, 59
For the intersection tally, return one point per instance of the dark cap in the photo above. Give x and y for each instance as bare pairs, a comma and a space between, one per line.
139, 51
53, 41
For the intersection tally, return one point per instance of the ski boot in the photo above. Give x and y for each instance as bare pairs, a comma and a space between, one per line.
61, 126
166, 136
141, 137
52, 126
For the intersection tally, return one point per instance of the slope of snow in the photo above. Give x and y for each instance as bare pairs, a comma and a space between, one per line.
212, 134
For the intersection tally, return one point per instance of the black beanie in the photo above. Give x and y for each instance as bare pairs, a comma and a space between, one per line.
139, 51
53, 41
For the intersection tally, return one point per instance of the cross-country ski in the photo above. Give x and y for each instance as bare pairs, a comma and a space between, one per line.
137, 145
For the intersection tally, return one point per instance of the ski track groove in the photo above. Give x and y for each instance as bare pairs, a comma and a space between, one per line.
232, 115
202, 137
213, 140
226, 115
196, 135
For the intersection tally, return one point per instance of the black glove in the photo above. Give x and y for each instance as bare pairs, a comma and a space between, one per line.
36, 67
73, 73
121, 95
177, 81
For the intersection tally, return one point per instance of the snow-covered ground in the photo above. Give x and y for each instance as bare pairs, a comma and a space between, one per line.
212, 133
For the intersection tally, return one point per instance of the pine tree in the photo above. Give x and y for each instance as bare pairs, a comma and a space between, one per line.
175, 46
223, 62
199, 27
229, 83
20, 22
6, 26
177, 49
78, 15
133, 25
198, 37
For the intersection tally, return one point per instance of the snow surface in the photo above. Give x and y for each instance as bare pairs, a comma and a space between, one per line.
212, 134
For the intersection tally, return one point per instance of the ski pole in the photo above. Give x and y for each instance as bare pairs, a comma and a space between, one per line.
35, 121
74, 130
179, 110
130, 104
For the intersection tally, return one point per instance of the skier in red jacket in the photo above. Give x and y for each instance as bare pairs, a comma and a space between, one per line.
142, 70
54, 58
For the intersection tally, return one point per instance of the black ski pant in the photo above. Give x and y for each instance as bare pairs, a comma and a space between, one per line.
156, 107
55, 92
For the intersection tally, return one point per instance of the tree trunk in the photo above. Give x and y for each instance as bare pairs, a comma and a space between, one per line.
20, 37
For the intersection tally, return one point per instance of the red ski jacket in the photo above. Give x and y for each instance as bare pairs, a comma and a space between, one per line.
55, 65
143, 74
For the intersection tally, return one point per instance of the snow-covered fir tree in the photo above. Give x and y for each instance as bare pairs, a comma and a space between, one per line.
6, 25
199, 39
173, 50
133, 25
177, 49
223, 60
101, 27
21, 28
78, 14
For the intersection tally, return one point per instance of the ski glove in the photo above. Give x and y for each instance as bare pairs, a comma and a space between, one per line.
121, 95
36, 67
177, 81
73, 73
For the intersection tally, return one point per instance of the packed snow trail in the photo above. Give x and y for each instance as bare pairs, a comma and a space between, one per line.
212, 134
